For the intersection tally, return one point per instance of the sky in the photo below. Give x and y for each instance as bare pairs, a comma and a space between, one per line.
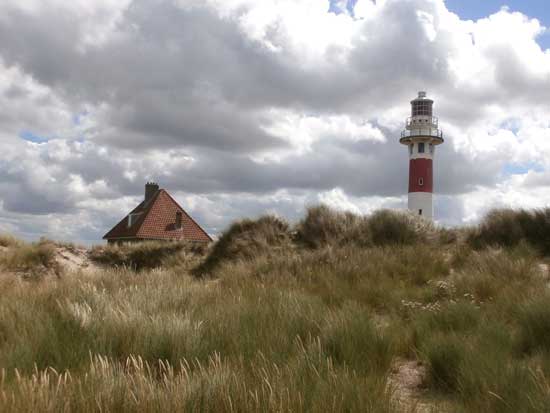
245, 107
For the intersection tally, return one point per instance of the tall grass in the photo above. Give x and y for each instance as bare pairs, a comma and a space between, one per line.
323, 227
7, 240
247, 239
31, 260
161, 341
147, 255
285, 324
310, 384
507, 227
534, 325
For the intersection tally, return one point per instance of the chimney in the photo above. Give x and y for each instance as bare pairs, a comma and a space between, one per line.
151, 189
179, 219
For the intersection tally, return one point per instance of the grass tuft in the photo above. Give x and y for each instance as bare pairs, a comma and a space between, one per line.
248, 239
323, 226
534, 325
8, 241
145, 255
508, 228
31, 260
396, 228
444, 355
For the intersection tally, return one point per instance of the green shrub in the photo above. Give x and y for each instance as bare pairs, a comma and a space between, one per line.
247, 239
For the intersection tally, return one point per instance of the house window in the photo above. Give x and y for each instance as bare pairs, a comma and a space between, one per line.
421, 147
132, 218
421, 181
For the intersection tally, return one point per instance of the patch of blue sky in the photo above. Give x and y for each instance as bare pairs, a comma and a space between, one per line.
512, 124
340, 6
78, 117
32, 137
476, 9
521, 169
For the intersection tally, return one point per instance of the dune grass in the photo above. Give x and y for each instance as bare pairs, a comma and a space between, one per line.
7, 240
509, 227
148, 255
30, 259
160, 341
323, 227
289, 326
246, 240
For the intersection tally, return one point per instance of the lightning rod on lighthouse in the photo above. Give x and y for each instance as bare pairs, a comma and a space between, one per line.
421, 135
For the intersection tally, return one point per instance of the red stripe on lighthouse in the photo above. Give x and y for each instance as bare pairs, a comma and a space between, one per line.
420, 175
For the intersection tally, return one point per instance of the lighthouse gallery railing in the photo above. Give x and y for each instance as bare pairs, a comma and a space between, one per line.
422, 132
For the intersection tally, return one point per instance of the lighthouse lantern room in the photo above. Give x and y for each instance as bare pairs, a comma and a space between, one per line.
421, 135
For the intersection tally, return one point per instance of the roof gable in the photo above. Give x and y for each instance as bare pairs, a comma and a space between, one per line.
157, 220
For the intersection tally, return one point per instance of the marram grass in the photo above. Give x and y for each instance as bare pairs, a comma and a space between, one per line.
311, 327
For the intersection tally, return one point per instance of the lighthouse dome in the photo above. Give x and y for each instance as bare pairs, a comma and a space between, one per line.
422, 105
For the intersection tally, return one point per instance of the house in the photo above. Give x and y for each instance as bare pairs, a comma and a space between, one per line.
158, 217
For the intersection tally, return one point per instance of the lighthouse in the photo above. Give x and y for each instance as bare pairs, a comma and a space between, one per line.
421, 135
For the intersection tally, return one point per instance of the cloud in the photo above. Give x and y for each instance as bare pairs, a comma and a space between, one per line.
242, 107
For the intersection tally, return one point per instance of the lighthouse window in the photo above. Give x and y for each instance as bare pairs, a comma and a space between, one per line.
421, 147
411, 149
421, 181
431, 146
422, 108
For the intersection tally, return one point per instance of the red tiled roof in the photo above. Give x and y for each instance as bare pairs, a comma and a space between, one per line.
157, 220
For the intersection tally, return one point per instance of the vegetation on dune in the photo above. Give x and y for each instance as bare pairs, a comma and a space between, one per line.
147, 255
323, 226
31, 260
7, 240
508, 227
247, 239
306, 320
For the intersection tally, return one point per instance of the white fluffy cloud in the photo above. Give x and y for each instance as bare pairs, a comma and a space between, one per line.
241, 107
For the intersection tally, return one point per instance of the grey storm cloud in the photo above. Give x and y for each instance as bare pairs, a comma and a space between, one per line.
183, 95
167, 60
360, 168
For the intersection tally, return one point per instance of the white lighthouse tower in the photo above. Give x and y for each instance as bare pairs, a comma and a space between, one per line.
421, 135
